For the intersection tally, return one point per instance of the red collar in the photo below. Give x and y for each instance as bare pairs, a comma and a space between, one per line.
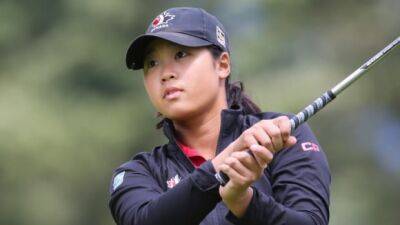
192, 154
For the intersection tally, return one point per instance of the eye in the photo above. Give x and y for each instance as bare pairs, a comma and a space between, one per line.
180, 54
151, 63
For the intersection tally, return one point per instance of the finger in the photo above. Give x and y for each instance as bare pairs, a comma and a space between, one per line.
248, 160
250, 139
239, 166
283, 124
263, 155
275, 135
262, 137
234, 176
290, 142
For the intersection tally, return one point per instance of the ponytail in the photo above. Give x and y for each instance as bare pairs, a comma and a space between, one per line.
236, 98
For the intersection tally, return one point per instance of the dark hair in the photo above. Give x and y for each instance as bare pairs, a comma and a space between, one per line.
235, 95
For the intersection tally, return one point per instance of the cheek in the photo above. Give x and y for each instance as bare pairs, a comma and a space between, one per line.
204, 86
152, 90
206, 81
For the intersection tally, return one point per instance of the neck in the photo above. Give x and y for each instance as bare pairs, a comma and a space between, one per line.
201, 133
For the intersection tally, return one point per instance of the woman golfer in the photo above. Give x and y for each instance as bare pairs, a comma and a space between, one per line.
276, 177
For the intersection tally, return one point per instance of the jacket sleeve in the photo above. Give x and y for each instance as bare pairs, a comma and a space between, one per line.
137, 198
300, 187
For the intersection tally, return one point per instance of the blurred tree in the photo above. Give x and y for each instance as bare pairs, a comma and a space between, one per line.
71, 112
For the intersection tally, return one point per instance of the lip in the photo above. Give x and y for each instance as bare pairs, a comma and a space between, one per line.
171, 90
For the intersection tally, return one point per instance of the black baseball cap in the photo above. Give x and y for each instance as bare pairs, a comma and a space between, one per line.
191, 27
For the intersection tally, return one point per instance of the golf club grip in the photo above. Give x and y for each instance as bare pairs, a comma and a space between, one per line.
311, 109
222, 178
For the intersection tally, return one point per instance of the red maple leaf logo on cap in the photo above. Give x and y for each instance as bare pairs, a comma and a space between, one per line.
163, 18
155, 21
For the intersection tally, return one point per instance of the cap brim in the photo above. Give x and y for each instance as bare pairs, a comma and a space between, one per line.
135, 53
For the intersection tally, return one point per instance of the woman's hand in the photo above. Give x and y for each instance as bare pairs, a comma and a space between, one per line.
273, 134
248, 156
243, 169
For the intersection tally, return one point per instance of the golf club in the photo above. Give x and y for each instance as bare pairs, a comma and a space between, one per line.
327, 97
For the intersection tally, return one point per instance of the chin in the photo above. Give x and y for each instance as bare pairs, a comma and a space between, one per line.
179, 113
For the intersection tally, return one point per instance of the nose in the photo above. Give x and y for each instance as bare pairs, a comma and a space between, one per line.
167, 76
168, 73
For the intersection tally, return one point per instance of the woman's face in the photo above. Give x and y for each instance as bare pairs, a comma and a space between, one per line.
183, 82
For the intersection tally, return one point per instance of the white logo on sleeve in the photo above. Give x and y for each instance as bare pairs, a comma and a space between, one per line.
118, 179
173, 181
309, 146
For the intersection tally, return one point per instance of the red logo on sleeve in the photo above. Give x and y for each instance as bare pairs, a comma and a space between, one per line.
309, 146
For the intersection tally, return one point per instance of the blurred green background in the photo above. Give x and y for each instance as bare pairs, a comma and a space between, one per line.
71, 112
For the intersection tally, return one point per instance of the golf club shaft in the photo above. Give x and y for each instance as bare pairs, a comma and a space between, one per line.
327, 97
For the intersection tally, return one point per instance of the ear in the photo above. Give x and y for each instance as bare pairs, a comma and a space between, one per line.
223, 67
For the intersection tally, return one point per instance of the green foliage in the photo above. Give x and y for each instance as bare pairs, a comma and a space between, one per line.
71, 112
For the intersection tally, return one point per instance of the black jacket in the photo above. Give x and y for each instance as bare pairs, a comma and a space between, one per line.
294, 189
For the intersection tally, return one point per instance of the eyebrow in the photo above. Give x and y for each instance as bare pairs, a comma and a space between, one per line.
151, 49
148, 51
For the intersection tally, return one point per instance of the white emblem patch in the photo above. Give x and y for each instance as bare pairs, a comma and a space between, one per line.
118, 179
161, 21
173, 181
220, 36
